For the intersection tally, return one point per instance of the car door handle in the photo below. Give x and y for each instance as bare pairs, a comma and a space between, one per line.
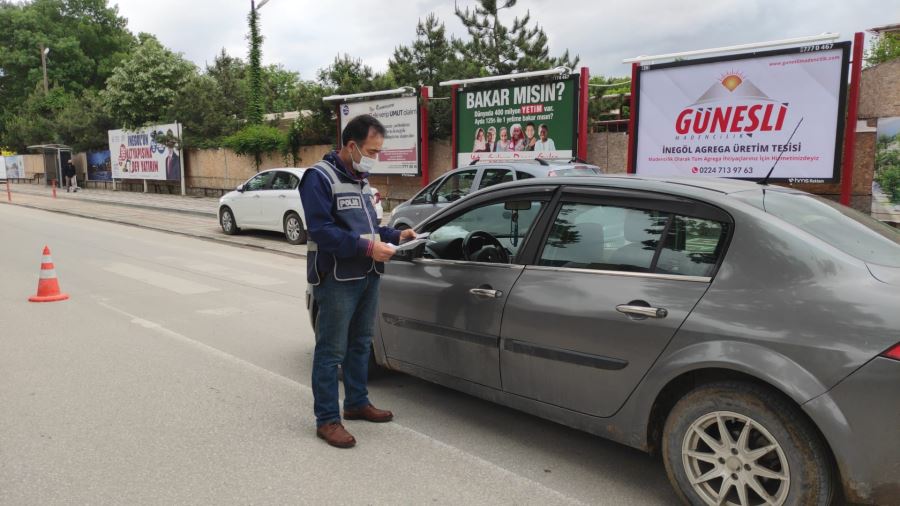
282, 196
486, 293
648, 312
256, 196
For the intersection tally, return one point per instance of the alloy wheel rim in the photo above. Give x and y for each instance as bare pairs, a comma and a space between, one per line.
293, 229
227, 222
732, 460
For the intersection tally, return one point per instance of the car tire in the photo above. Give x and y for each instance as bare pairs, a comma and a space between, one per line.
701, 465
227, 221
293, 229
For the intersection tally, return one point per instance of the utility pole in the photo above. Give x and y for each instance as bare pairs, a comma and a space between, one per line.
44, 51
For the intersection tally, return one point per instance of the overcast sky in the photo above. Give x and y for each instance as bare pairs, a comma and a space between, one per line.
305, 35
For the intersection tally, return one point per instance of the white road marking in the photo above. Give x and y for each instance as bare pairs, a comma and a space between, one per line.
155, 278
235, 274
306, 391
223, 311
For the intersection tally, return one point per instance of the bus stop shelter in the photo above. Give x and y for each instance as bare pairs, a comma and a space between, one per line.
55, 157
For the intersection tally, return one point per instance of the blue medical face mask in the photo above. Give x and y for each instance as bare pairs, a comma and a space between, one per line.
365, 163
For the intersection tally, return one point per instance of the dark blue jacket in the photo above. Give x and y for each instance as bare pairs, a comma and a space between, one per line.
340, 221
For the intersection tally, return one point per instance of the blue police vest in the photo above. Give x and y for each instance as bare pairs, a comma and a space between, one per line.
352, 209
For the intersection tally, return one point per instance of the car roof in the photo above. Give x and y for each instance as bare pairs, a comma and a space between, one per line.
681, 185
533, 167
297, 171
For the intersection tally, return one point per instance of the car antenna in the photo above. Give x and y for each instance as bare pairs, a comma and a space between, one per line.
765, 180
474, 161
542, 161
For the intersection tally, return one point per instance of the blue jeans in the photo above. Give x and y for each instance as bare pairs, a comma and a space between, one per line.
344, 328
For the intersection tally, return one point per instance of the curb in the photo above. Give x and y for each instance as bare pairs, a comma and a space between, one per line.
158, 229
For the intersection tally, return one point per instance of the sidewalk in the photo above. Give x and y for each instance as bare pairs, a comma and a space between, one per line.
883, 209
189, 216
204, 206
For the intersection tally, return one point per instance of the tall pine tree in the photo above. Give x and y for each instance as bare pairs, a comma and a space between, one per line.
503, 50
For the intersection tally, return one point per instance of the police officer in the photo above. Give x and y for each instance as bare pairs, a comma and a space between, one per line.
347, 251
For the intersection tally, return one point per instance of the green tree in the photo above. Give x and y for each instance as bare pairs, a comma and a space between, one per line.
279, 89
199, 106
255, 100
607, 95
316, 124
83, 122
145, 86
256, 141
347, 75
230, 74
87, 40
885, 47
34, 122
431, 59
500, 49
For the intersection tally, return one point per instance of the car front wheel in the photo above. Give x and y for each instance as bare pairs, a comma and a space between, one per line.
226, 220
293, 229
735, 443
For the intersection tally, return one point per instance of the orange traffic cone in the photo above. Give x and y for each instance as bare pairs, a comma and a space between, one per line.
48, 285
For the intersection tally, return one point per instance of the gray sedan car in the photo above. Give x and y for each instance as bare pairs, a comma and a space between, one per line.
458, 183
749, 334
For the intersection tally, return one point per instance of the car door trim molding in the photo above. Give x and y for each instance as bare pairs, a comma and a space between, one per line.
442, 261
650, 275
561, 355
456, 334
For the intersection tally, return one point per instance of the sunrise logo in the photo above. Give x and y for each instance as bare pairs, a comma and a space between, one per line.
732, 105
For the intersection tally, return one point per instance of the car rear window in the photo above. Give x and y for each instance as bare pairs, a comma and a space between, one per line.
847, 229
578, 170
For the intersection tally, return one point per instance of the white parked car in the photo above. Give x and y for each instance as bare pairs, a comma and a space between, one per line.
270, 201
266, 201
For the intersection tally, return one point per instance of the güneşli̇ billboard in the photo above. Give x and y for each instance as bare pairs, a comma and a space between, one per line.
732, 117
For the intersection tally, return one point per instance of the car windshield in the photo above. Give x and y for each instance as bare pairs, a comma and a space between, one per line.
849, 230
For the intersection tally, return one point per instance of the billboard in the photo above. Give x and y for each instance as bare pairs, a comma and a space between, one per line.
517, 121
732, 116
400, 117
136, 154
15, 166
99, 166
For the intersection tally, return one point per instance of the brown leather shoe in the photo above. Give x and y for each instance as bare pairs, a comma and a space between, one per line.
370, 413
336, 435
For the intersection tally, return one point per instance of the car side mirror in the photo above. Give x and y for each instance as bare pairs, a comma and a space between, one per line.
429, 198
240, 188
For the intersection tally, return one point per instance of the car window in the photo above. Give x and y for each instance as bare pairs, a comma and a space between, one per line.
692, 247
851, 231
257, 182
508, 222
284, 181
455, 186
490, 177
523, 175
613, 238
422, 197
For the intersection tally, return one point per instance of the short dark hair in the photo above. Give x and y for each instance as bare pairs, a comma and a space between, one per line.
530, 124
359, 128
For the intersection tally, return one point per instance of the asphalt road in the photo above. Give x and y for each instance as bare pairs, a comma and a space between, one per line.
178, 372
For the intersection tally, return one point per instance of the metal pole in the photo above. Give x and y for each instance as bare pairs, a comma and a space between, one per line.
632, 117
53, 183
44, 65
181, 158
424, 137
453, 92
337, 112
852, 109
583, 113
8, 191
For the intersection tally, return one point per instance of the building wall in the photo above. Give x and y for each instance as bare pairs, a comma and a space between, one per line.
879, 95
